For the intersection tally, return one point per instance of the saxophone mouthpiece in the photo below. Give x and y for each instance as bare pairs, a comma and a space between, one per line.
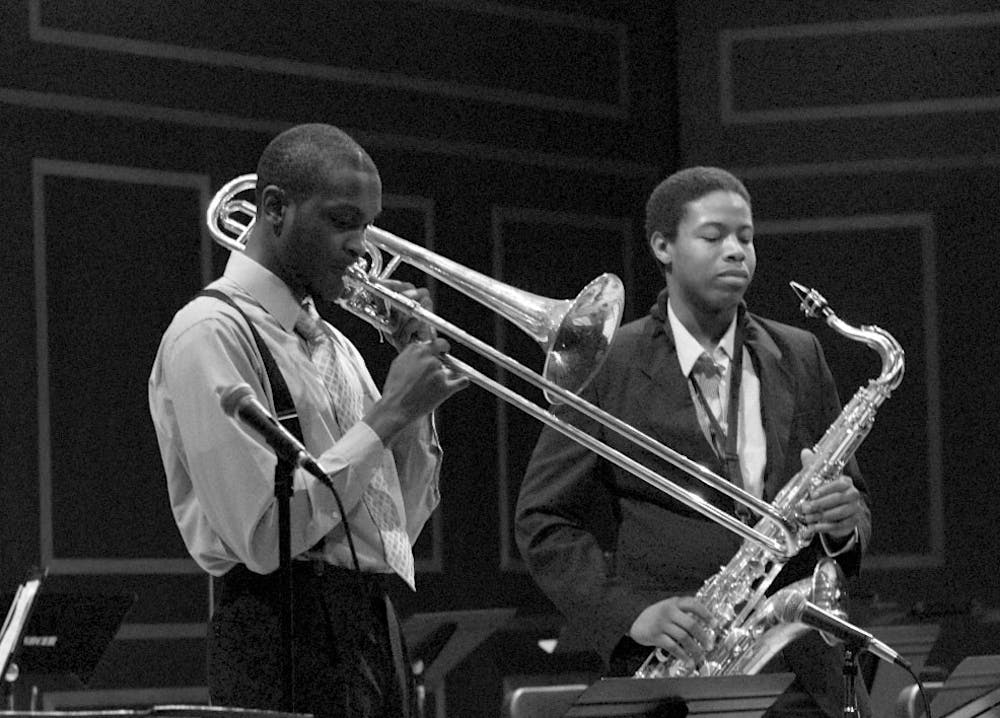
812, 302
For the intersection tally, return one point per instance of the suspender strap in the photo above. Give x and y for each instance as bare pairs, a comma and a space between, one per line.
287, 414
288, 417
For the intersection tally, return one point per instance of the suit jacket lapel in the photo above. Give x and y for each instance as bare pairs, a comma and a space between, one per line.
777, 394
670, 407
661, 365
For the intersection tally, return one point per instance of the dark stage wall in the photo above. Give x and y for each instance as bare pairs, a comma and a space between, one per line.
519, 139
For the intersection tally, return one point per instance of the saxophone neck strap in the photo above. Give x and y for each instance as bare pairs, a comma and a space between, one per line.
724, 440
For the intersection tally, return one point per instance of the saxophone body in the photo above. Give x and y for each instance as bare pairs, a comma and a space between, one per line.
747, 625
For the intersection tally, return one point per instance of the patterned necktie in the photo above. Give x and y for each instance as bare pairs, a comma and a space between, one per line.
347, 402
708, 374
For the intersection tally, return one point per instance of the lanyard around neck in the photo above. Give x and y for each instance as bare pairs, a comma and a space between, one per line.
728, 454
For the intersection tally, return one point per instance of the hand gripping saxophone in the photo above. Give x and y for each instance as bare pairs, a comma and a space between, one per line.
749, 628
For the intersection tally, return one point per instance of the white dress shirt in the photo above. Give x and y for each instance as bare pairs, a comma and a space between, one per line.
221, 478
751, 444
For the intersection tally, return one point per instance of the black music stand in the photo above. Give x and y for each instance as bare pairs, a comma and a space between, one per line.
972, 689
67, 633
742, 696
986, 706
437, 642
15, 624
164, 711
197, 711
914, 642
440, 641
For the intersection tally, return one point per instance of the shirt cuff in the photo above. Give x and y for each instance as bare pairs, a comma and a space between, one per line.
851, 541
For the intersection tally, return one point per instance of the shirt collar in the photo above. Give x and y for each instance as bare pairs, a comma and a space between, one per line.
265, 287
688, 348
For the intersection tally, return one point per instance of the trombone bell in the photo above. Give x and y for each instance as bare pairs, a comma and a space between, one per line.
575, 334
580, 342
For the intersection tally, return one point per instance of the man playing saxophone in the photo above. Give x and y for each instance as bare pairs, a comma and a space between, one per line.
746, 397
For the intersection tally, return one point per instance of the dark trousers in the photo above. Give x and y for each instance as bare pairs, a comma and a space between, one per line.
348, 652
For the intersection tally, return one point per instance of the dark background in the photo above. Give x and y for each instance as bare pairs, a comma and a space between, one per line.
519, 139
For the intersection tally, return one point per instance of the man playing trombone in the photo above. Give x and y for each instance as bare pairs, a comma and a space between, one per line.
256, 337
744, 396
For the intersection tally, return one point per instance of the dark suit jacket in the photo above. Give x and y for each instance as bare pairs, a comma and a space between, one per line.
604, 545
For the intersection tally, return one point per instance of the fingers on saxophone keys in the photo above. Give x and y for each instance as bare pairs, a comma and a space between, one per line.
683, 648
812, 512
688, 641
668, 646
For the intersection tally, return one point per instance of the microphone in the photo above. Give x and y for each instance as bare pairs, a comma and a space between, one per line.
240, 402
797, 608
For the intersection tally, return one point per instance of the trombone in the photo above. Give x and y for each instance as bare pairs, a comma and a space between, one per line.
574, 334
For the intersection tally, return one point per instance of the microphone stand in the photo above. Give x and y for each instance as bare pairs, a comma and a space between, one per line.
851, 651
283, 494
290, 454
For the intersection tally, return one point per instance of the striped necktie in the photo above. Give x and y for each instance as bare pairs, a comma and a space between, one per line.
346, 395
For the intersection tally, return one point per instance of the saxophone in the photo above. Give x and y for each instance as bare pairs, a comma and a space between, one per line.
749, 628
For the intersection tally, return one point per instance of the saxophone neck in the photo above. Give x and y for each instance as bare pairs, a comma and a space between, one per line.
889, 350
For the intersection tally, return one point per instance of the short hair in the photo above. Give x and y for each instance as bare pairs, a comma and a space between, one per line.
298, 159
666, 204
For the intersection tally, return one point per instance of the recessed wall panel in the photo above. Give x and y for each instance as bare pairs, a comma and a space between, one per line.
115, 248
859, 264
